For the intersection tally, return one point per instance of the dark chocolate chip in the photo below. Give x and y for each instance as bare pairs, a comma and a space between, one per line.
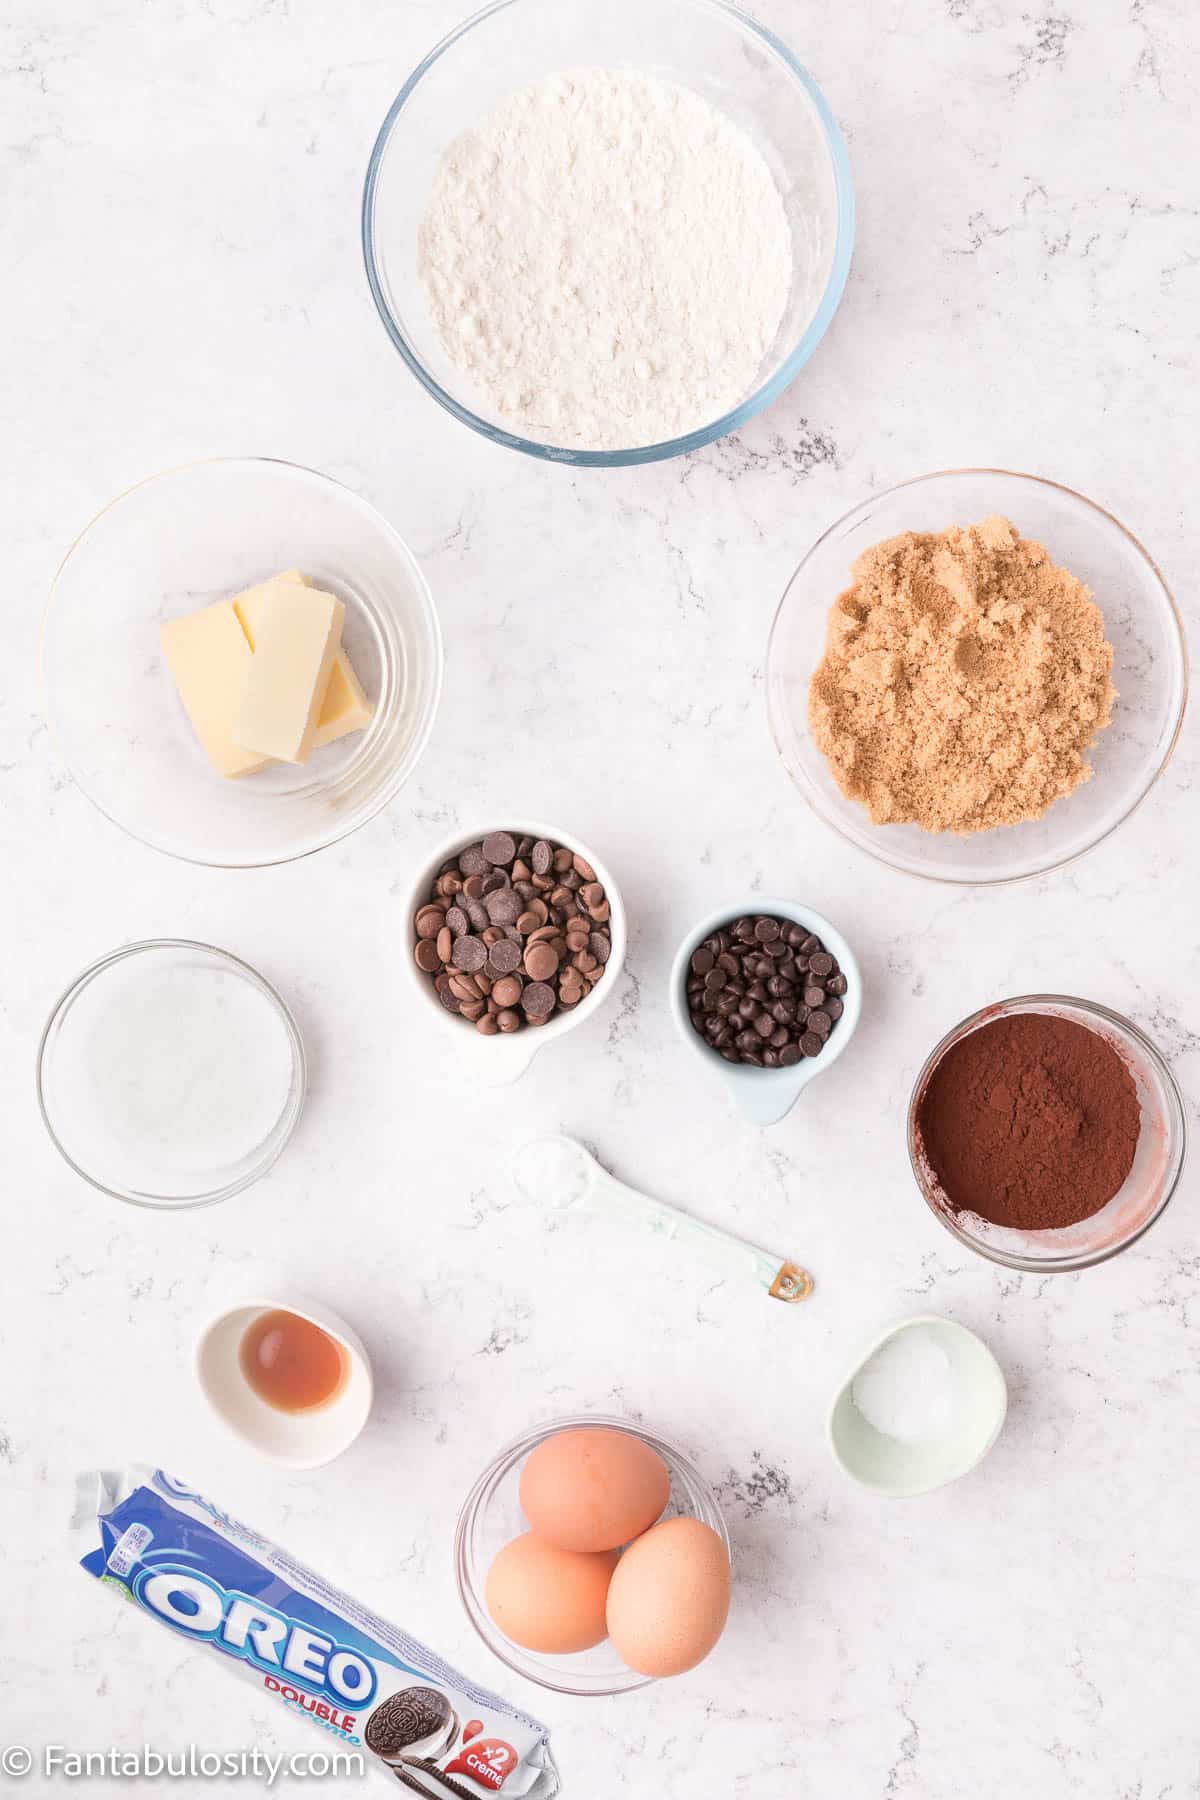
760, 991
505, 908
499, 847
538, 999
470, 953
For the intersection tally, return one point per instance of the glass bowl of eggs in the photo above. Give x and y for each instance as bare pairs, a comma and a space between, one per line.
592, 1557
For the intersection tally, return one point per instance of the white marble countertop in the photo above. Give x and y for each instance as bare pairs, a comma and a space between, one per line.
183, 279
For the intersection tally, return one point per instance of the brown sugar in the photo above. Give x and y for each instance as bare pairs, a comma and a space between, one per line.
964, 678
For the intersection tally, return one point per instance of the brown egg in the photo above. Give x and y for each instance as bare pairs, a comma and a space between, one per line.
593, 1488
669, 1598
549, 1599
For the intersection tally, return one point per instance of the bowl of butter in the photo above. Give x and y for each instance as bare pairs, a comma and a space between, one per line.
241, 662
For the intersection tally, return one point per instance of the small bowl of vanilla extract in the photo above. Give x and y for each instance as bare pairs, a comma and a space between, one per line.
287, 1376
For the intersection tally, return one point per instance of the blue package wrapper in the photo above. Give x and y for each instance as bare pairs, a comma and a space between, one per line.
306, 1644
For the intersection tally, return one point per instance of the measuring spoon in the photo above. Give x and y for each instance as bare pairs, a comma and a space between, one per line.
766, 1095
559, 1171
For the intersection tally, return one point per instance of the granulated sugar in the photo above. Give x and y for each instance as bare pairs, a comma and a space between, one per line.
607, 256
173, 1067
906, 1389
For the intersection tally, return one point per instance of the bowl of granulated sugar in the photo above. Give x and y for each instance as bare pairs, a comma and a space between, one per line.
608, 235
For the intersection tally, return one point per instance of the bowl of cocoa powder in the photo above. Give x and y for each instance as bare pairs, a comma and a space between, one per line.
976, 676
1046, 1133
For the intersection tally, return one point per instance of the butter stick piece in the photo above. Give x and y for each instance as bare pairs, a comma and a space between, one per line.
209, 657
297, 644
346, 707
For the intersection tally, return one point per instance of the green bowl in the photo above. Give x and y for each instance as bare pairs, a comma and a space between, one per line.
902, 1467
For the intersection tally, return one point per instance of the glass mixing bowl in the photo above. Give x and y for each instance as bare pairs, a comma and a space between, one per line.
1149, 670
492, 1517
704, 45
177, 542
124, 1114
1157, 1163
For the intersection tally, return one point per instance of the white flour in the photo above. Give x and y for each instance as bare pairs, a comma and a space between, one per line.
607, 256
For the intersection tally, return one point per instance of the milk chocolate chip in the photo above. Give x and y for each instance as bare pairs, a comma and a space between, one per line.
513, 931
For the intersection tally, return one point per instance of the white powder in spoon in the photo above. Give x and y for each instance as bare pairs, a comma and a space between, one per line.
608, 258
906, 1388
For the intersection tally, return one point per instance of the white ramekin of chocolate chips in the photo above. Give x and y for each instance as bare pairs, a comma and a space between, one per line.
767, 997
516, 935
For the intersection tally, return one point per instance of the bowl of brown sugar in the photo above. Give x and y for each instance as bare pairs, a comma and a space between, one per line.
1046, 1133
976, 676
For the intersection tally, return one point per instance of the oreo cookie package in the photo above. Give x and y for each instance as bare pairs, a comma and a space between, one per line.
306, 1644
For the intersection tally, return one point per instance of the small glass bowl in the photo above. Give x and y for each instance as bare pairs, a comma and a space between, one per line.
491, 1517
1157, 1164
1149, 671
103, 1143
179, 541
706, 46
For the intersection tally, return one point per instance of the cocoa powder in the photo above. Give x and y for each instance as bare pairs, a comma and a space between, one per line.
1030, 1121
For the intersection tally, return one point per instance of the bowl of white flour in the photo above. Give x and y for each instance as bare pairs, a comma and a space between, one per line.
607, 234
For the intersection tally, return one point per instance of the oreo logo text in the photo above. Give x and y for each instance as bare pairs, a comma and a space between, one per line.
199, 1608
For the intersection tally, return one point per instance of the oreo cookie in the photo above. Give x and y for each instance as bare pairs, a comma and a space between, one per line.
408, 1726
